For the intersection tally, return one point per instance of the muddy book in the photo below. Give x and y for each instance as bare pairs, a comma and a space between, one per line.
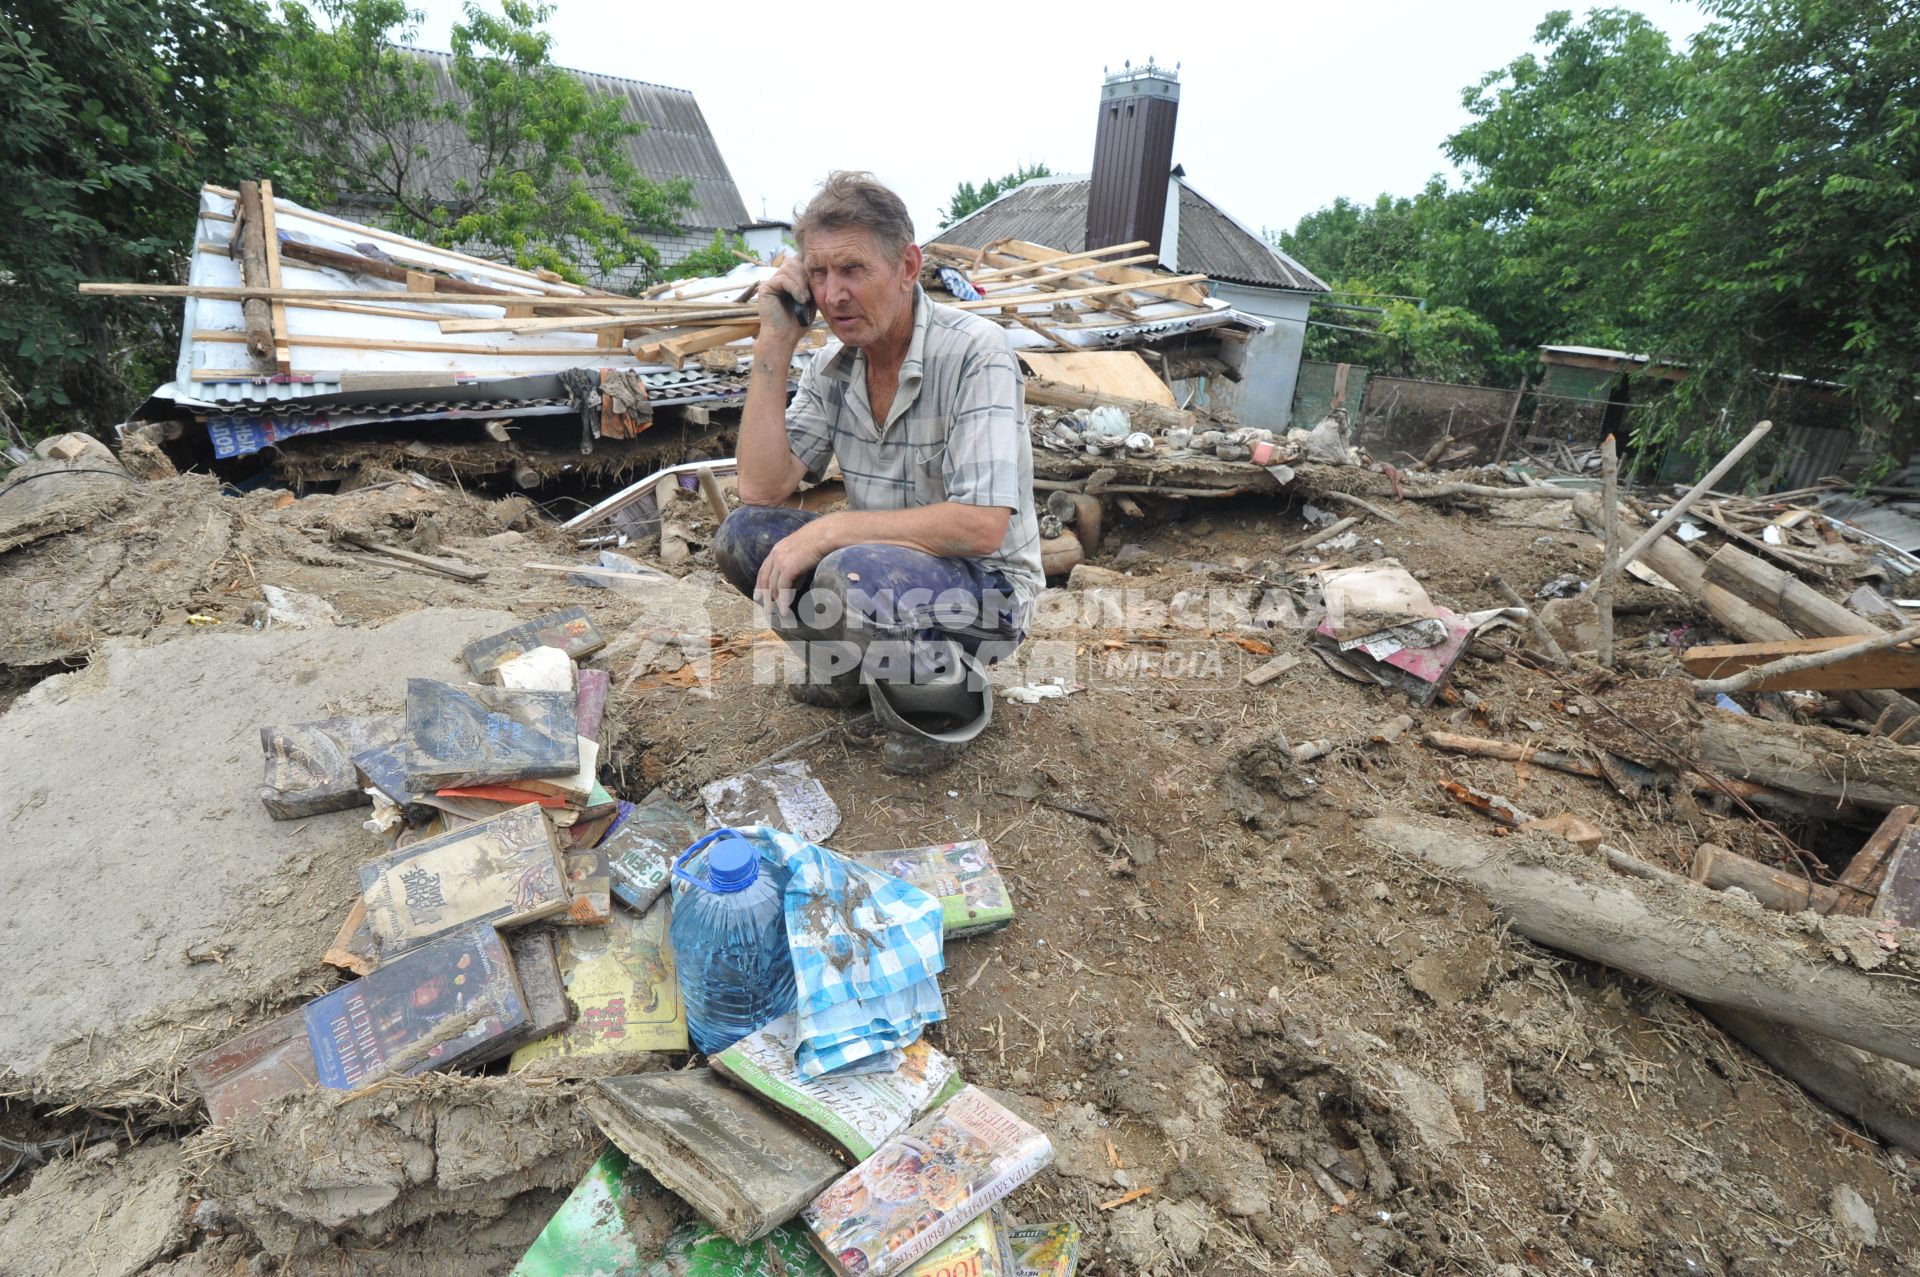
309, 766
384, 768
443, 1006
600, 1228
1045, 1250
537, 963
746, 1171
569, 630
621, 981
973, 896
245, 1072
643, 844
487, 735
505, 871
980, 1249
855, 1114
589, 886
922, 1186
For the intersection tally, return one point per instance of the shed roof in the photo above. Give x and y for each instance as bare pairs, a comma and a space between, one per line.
675, 143
1053, 211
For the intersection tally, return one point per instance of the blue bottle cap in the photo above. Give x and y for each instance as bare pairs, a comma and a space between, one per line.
733, 864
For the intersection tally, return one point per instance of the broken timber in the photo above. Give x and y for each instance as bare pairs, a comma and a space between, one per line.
1751, 961
1857, 663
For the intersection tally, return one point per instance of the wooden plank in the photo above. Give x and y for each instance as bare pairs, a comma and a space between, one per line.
282, 350
1049, 394
1887, 668
1156, 284
1090, 254
1034, 323
1071, 272
1860, 880
1121, 373
1899, 898
425, 347
1193, 296
596, 323
443, 286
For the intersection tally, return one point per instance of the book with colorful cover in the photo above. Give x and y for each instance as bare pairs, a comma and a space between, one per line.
973, 896
537, 963
568, 629
442, 1006
621, 981
643, 844
245, 1072
981, 1249
1045, 1250
487, 735
923, 1185
595, 1232
505, 871
589, 886
855, 1114
746, 1171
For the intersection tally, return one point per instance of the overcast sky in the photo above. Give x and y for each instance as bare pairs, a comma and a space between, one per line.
1283, 106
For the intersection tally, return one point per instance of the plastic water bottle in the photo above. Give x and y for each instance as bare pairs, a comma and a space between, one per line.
730, 942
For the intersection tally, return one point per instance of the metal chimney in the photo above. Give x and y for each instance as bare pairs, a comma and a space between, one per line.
1132, 155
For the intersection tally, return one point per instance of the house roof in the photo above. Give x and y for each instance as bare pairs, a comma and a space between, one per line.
1053, 211
675, 143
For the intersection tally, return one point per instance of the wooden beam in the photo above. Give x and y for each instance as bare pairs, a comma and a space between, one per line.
426, 347
249, 247
999, 272
1868, 866
596, 323
1052, 394
1015, 251
1156, 284
282, 349
438, 297
1071, 271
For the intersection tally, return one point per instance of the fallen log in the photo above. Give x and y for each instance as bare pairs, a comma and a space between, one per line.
1058, 394
1719, 869
1687, 573
1757, 795
1695, 943
1814, 762
1881, 1095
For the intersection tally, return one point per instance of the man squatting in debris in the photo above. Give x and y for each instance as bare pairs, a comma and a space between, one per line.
902, 600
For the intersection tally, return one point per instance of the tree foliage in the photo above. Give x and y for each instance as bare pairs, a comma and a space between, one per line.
520, 162
967, 198
1745, 206
112, 113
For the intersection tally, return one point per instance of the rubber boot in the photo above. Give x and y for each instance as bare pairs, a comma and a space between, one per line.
929, 725
841, 690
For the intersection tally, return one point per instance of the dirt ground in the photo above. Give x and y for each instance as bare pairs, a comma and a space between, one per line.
1260, 1042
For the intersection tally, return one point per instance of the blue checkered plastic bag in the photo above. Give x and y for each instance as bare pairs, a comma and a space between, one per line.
867, 947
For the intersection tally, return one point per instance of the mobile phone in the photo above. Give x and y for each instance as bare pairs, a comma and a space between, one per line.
802, 312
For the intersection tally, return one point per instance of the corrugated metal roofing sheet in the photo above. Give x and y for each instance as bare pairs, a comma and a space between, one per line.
675, 143
1053, 211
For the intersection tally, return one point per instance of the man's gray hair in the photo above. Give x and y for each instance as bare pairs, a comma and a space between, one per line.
852, 199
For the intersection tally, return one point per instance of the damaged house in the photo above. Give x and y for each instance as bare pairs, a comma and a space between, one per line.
1123, 199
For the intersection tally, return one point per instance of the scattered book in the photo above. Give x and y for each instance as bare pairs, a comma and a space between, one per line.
620, 978
590, 702
245, 1072
511, 795
541, 988
746, 1171
442, 1006
384, 768
920, 1187
973, 896
642, 846
569, 630
784, 795
598, 1230
1045, 1250
309, 766
855, 1114
354, 948
487, 735
980, 1249
590, 832
576, 786
505, 871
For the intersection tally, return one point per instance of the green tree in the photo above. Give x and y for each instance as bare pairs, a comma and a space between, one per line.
112, 113
724, 252
1782, 205
521, 162
967, 198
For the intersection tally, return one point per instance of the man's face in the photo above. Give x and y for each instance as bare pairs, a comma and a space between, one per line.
863, 293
